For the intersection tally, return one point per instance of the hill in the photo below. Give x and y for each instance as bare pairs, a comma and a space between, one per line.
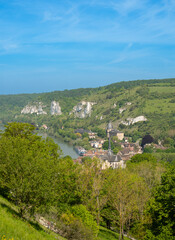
12, 227
122, 103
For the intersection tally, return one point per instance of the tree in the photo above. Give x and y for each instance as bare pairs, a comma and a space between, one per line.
73, 228
127, 195
66, 189
150, 171
81, 212
24, 130
28, 167
161, 207
147, 139
106, 145
143, 157
91, 185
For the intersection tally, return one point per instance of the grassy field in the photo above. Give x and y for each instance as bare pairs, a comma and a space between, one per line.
13, 227
105, 234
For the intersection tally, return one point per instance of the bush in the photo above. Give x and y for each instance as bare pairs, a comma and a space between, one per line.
78, 224
74, 230
82, 213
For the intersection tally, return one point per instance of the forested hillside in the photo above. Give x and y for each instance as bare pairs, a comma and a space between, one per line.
152, 99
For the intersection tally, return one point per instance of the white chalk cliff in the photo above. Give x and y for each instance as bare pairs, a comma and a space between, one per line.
82, 109
55, 108
35, 108
130, 121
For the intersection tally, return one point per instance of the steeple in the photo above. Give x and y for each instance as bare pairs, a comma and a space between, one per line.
109, 126
109, 146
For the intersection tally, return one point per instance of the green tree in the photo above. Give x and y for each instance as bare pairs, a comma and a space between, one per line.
66, 188
81, 212
150, 171
161, 207
106, 145
91, 185
143, 157
27, 167
24, 130
127, 195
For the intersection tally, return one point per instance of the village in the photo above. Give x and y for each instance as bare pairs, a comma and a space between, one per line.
107, 157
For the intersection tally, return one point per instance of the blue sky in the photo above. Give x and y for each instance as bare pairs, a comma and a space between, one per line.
48, 45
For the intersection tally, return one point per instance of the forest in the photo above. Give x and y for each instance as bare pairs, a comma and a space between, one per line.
82, 199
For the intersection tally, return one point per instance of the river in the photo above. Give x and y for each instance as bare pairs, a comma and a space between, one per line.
66, 148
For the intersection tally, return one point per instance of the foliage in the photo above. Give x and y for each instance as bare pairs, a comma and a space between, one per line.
91, 185
143, 157
128, 195
73, 229
148, 149
106, 145
147, 139
81, 212
66, 189
143, 91
100, 132
161, 207
27, 167
164, 234
150, 171
77, 223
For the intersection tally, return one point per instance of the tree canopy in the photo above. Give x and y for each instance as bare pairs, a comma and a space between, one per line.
27, 167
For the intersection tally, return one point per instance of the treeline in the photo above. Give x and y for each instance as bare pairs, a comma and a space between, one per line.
130, 84
78, 198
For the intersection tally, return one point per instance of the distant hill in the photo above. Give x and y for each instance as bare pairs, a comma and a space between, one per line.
124, 103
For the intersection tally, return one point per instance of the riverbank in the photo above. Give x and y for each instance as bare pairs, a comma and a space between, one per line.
67, 148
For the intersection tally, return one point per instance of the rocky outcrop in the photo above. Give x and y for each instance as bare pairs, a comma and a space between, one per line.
130, 121
35, 108
55, 108
122, 110
82, 109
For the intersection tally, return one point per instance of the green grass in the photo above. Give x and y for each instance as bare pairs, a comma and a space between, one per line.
162, 89
105, 234
13, 227
159, 106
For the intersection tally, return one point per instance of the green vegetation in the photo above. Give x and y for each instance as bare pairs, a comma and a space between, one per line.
26, 176
155, 99
106, 234
78, 199
13, 227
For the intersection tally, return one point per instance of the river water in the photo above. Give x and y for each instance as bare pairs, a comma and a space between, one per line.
67, 149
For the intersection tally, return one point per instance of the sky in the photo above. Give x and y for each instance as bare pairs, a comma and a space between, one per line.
49, 45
